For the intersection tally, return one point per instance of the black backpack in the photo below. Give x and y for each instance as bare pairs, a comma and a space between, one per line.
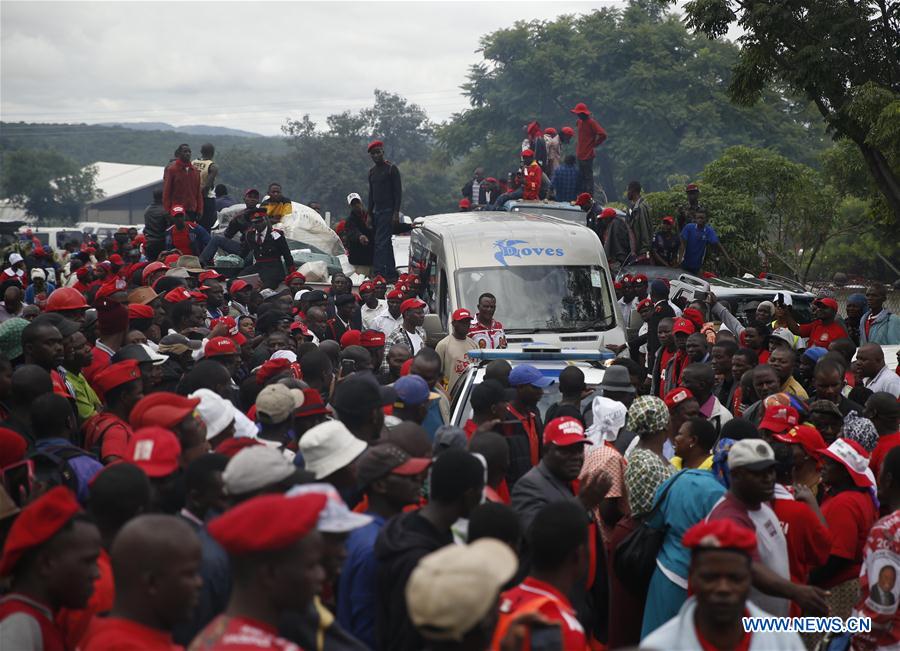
51, 465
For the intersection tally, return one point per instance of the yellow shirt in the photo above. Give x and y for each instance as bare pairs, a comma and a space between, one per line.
794, 388
706, 465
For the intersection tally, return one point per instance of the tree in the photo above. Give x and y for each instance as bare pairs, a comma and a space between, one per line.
47, 185
655, 87
844, 56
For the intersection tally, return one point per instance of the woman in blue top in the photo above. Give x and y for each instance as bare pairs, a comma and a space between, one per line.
693, 494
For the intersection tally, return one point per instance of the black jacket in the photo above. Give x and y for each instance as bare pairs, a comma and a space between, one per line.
385, 188
481, 199
274, 245
357, 225
400, 545
156, 221
660, 312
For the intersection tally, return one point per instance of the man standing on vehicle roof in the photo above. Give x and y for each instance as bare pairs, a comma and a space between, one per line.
590, 136
476, 188
639, 221
487, 332
687, 211
208, 172
695, 238
385, 194
181, 184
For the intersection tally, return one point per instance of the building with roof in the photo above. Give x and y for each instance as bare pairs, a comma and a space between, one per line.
126, 190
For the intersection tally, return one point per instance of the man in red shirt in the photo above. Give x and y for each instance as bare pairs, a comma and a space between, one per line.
275, 554
487, 332
884, 412
590, 136
50, 557
108, 433
558, 544
181, 184
112, 325
156, 564
820, 332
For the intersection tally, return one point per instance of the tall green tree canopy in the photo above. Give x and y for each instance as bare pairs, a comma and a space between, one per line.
842, 55
658, 90
47, 185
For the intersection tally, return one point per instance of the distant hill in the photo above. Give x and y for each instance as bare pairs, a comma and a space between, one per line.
192, 129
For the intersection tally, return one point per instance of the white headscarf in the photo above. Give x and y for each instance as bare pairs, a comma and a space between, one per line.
609, 418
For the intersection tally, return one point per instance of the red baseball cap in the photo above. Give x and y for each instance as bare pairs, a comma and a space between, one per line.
218, 346
299, 325
608, 213
155, 450
350, 338
411, 304
238, 285
178, 295
198, 295
564, 431
583, 199
527, 153
461, 315
36, 524
683, 325
177, 210
374, 144
827, 302
209, 275
465, 203
231, 446
779, 418
372, 339
116, 374
227, 321
406, 367
676, 396
854, 458
806, 436
152, 268
163, 409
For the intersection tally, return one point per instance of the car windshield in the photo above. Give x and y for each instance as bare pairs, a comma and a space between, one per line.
574, 216
542, 298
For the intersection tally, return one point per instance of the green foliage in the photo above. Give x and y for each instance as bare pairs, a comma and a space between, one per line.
47, 185
656, 89
842, 56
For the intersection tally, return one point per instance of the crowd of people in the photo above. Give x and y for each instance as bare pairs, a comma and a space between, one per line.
191, 460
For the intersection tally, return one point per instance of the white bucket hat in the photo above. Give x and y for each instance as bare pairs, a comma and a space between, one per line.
328, 447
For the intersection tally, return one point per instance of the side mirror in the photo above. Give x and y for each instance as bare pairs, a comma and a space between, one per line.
434, 330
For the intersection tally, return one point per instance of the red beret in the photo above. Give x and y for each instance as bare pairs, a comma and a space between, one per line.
550, 131
668, 219
312, 404
198, 296
644, 304
37, 523
371, 339
617, 284
395, 293
379, 280
12, 447
583, 199
155, 450
116, 259
220, 346
367, 286
115, 375
350, 338
676, 396
465, 203
411, 304
720, 534
231, 446
607, 213
374, 144
267, 522
107, 289
639, 279
139, 311
238, 285
694, 315
164, 409
569, 131
527, 153
292, 275
177, 295
82, 272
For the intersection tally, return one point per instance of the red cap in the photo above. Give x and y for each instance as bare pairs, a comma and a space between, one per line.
198, 295
231, 446
220, 346
639, 279
81, 273
152, 268
107, 289
177, 295
238, 285
806, 436
116, 375
564, 431
155, 450
367, 286
292, 275
12, 447
617, 284
569, 131
374, 144
227, 321
299, 325
267, 522
411, 304
406, 367
608, 213
550, 131
676, 396
580, 107
312, 404
683, 325
171, 260
395, 293
36, 524
209, 275
693, 315
583, 199
239, 338
720, 534
827, 302
854, 458
372, 339
461, 315
139, 311
66, 298
163, 409
668, 219
779, 418
691, 187
527, 153
271, 368
644, 304
350, 338
465, 203
177, 210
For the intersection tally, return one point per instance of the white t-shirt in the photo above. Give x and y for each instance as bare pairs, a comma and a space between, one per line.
416, 341
369, 314
386, 323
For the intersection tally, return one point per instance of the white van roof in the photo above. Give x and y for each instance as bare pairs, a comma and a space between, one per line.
484, 239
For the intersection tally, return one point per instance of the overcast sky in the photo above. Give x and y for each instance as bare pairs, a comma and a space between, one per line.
245, 65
